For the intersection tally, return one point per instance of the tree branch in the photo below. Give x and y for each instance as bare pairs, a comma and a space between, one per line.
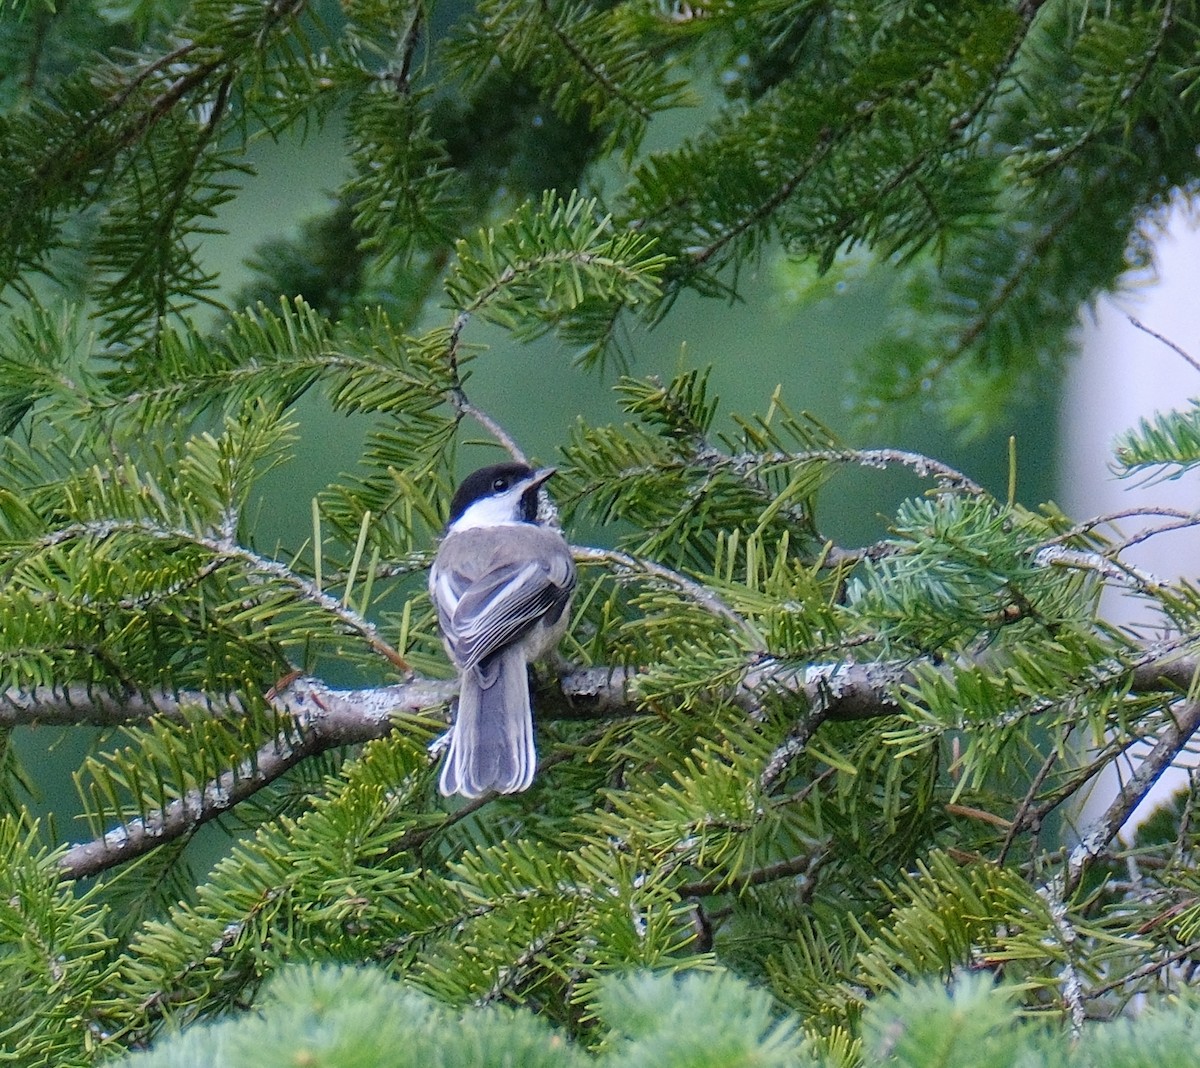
226, 551
324, 718
804, 864
622, 563
1177, 349
1096, 838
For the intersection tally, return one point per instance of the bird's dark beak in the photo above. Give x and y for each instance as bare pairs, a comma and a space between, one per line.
543, 473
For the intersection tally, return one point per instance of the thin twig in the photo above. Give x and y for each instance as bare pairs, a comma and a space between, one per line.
1096, 838
1147, 969
1019, 823
1088, 525
1166, 341
465, 407
623, 563
769, 873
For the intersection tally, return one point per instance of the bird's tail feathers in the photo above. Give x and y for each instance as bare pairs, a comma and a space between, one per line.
491, 742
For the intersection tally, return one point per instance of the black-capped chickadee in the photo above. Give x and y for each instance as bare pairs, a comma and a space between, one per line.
502, 585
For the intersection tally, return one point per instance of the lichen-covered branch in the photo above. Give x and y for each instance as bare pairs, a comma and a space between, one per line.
323, 718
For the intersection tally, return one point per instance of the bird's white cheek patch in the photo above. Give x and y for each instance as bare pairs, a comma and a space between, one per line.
487, 512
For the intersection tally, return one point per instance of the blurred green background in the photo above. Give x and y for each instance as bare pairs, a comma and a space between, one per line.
774, 335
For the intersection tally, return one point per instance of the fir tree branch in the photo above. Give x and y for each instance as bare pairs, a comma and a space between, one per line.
853, 122
747, 465
324, 718
763, 211
401, 76
185, 815
513, 973
594, 71
1065, 158
626, 563
804, 864
1068, 939
1096, 838
224, 549
173, 58
844, 692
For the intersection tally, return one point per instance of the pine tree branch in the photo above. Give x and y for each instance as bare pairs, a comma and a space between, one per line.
1096, 838
805, 864
626, 563
324, 718
225, 549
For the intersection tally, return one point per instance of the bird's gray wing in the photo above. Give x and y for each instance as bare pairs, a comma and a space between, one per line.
498, 608
481, 613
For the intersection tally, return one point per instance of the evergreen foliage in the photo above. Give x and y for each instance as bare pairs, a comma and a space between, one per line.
345, 1018
836, 771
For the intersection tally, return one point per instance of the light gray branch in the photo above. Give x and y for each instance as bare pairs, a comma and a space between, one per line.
324, 718
922, 466
626, 564
1176, 735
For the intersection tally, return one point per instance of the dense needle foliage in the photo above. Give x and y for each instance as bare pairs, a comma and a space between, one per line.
831, 770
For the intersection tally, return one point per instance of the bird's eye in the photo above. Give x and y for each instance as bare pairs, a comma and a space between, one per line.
500, 484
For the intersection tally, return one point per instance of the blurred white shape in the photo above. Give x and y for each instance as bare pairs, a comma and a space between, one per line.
1123, 374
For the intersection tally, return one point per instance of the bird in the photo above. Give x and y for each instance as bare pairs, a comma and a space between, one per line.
501, 582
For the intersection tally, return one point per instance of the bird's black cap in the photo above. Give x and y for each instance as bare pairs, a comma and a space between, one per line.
496, 479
